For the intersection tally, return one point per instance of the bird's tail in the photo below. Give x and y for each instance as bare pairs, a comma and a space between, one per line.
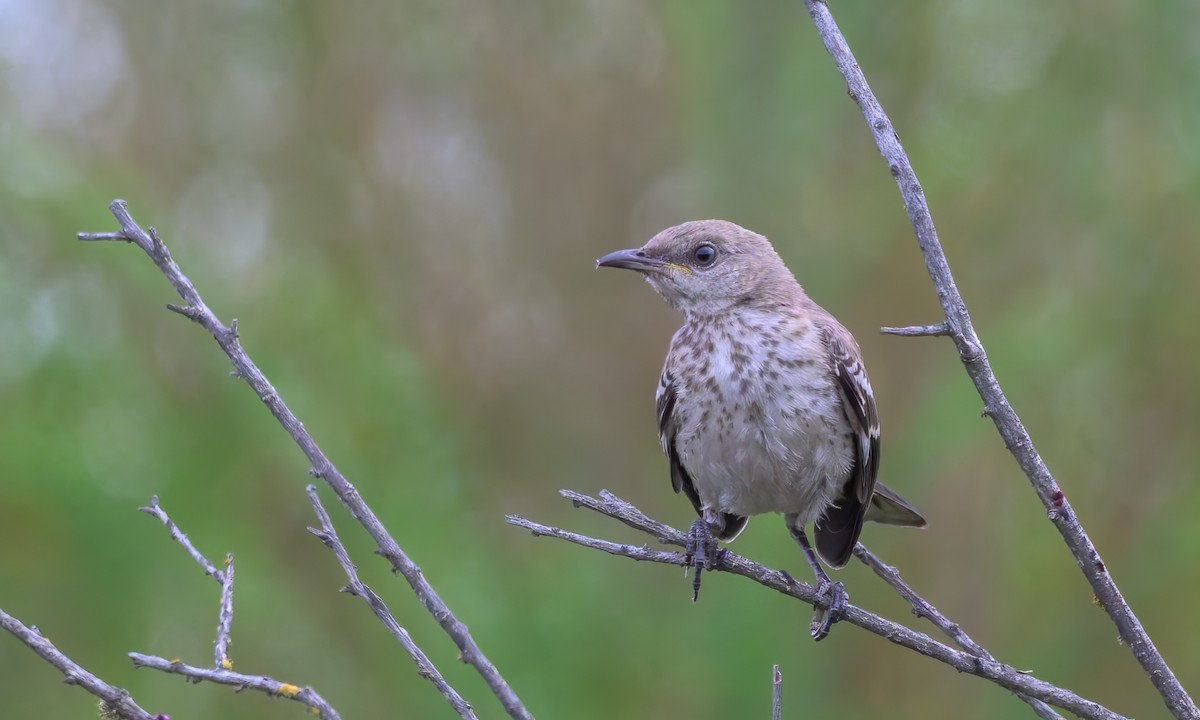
838, 529
890, 509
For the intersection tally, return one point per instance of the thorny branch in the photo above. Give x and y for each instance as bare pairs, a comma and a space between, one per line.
222, 670
974, 359
968, 662
425, 667
227, 338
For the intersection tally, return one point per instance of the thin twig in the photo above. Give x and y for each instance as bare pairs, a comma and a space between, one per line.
227, 338
776, 694
115, 699
425, 667
922, 608
261, 683
224, 577
628, 514
102, 236
937, 330
641, 553
178, 536
222, 671
225, 619
974, 359
1003, 675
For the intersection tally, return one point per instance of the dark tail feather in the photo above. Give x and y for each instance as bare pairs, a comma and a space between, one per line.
838, 530
733, 526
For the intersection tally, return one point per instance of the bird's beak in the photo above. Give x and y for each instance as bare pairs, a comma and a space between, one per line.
633, 259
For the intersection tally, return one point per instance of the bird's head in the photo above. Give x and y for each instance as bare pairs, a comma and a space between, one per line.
708, 267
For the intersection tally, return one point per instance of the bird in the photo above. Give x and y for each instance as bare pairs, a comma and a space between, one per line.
763, 404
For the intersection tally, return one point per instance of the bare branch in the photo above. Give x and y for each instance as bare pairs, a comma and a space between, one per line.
923, 609
776, 694
225, 619
261, 683
726, 560
178, 536
616, 508
425, 667
633, 552
222, 671
114, 699
224, 577
937, 330
227, 338
101, 236
974, 359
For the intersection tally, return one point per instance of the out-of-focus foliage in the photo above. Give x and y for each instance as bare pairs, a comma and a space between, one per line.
400, 202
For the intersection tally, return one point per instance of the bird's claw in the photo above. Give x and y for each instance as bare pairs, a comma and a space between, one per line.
825, 617
700, 552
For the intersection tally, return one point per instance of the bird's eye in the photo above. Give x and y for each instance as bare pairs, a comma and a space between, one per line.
705, 254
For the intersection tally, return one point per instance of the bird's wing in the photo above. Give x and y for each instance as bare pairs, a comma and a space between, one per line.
668, 429
858, 402
730, 525
838, 528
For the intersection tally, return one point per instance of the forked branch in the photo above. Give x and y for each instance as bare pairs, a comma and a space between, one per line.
222, 670
977, 662
227, 337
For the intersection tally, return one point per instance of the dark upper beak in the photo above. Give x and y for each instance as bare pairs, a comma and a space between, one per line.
633, 259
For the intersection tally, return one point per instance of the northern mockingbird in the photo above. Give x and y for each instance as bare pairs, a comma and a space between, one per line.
764, 403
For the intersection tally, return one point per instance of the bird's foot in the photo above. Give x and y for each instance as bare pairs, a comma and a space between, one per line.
825, 617
700, 552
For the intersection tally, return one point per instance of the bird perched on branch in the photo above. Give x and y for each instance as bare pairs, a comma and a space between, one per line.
763, 404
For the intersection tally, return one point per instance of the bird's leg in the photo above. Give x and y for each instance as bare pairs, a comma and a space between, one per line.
701, 549
823, 619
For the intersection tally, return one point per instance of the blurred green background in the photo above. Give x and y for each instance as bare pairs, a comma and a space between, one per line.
401, 203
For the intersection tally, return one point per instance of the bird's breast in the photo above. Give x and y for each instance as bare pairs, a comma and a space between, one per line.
761, 423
